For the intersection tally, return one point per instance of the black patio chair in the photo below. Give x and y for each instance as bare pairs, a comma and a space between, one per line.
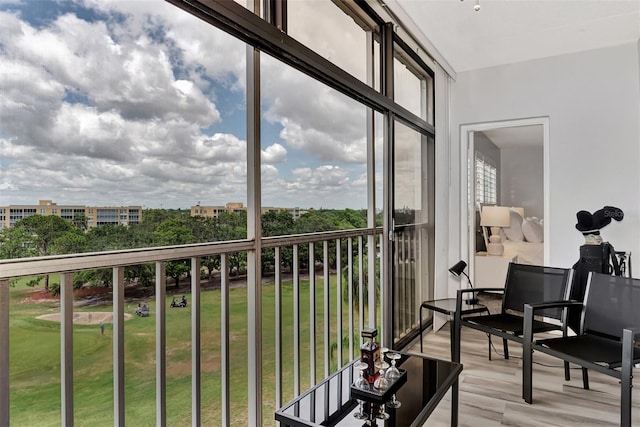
524, 284
606, 341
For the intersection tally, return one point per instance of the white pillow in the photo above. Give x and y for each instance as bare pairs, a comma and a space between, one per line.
533, 230
514, 232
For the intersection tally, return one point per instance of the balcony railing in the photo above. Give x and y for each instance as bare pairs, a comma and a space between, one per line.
339, 316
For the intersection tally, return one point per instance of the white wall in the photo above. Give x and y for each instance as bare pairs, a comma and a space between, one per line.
521, 179
592, 100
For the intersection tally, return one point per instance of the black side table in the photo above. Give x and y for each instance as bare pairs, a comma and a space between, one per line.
448, 306
332, 403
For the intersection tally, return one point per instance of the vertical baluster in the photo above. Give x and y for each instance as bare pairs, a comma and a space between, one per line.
296, 321
225, 365
66, 344
327, 309
118, 346
195, 343
414, 278
371, 265
278, 315
360, 284
161, 345
312, 315
4, 352
350, 288
403, 282
383, 294
339, 303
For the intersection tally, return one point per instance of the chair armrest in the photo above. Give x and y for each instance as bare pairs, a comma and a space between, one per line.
551, 304
635, 332
529, 309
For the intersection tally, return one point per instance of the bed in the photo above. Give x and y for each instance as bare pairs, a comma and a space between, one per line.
523, 239
525, 252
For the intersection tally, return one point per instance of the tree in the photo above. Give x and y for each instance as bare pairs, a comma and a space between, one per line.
177, 269
45, 230
15, 243
211, 263
71, 242
277, 224
80, 222
356, 280
174, 231
109, 237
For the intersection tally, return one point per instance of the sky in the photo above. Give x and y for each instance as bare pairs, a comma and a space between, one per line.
115, 103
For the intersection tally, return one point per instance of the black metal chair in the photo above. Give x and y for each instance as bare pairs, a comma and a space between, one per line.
524, 284
609, 329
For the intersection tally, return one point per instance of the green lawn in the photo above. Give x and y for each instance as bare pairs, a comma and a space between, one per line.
35, 359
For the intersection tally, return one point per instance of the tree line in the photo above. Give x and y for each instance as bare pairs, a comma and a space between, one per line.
40, 235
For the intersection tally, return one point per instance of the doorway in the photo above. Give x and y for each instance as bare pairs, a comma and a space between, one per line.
508, 137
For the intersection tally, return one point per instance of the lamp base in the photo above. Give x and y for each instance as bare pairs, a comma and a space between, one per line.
495, 249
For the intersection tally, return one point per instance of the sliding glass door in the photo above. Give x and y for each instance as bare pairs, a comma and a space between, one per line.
413, 230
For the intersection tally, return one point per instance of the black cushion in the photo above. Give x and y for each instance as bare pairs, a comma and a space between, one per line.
591, 348
508, 322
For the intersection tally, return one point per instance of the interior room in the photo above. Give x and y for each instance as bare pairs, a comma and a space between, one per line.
308, 202
508, 173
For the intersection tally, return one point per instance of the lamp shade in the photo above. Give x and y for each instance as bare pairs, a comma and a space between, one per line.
495, 216
458, 268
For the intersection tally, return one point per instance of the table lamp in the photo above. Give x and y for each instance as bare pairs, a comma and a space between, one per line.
495, 217
457, 270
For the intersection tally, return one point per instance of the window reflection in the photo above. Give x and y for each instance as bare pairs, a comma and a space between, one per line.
314, 149
410, 156
330, 32
413, 90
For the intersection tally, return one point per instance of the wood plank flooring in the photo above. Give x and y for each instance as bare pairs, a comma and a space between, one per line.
490, 391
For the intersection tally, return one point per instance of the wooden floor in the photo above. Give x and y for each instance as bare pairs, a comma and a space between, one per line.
490, 391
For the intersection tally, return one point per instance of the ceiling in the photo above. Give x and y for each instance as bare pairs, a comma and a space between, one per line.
509, 31
516, 136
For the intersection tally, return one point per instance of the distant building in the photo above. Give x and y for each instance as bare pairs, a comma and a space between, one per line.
95, 216
237, 207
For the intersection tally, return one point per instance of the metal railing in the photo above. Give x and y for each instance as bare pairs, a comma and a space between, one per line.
350, 247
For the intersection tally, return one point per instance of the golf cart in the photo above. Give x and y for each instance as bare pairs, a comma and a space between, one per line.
142, 310
180, 304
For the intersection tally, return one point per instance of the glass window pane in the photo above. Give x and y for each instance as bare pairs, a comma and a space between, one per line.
413, 232
413, 90
330, 32
314, 150
410, 196
408, 89
142, 101
486, 180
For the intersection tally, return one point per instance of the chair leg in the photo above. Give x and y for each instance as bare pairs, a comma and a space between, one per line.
567, 372
505, 346
489, 336
626, 378
421, 329
527, 355
527, 373
585, 378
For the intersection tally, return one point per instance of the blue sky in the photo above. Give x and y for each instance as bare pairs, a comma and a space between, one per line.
136, 102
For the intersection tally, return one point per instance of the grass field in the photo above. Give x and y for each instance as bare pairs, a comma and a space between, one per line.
35, 359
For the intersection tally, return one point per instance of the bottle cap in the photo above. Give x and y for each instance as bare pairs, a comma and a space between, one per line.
369, 333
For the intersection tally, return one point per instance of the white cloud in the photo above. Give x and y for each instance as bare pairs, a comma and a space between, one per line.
274, 153
327, 186
317, 120
126, 109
